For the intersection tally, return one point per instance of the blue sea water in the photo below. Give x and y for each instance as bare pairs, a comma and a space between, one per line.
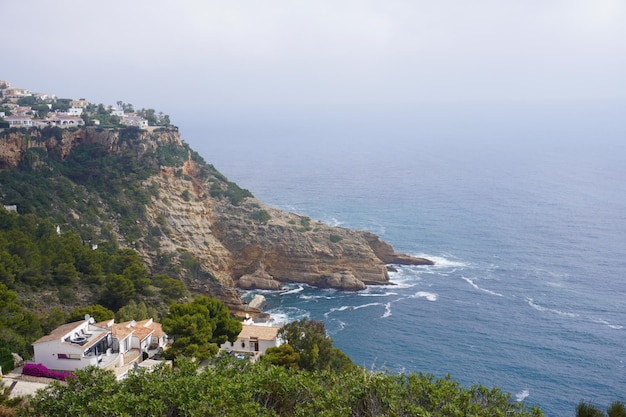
524, 216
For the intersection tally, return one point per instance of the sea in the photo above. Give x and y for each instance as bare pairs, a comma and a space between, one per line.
522, 207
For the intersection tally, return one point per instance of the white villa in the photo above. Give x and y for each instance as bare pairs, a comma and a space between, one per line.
75, 345
105, 345
144, 336
19, 121
254, 340
60, 120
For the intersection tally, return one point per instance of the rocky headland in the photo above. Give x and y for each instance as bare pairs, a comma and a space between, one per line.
241, 245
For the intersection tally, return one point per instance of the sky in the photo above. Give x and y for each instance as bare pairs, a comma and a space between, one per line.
241, 58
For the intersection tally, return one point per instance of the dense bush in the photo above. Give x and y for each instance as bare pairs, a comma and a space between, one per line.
335, 238
228, 387
262, 216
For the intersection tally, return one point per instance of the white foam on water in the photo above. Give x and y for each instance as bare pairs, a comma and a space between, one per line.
316, 297
335, 326
427, 295
293, 291
521, 396
286, 315
387, 312
335, 309
607, 323
475, 286
384, 294
399, 285
331, 221
366, 305
442, 261
541, 308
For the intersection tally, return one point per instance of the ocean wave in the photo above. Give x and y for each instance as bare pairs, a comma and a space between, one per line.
442, 261
474, 285
427, 295
335, 326
387, 312
521, 396
333, 221
335, 309
354, 308
541, 308
316, 297
367, 305
399, 285
293, 291
285, 315
607, 323
384, 294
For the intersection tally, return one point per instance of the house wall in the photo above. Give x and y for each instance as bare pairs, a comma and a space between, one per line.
247, 346
266, 344
50, 355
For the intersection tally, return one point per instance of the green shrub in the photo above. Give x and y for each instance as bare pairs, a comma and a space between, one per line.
262, 216
335, 238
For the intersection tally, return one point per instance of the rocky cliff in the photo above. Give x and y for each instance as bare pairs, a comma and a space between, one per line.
239, 243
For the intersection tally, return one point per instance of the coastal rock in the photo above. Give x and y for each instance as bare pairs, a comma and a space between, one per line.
245, 250
385, 252
260, 280
402, 259
342, 280
258, 301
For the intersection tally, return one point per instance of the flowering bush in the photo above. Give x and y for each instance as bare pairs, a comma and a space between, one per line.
38, 370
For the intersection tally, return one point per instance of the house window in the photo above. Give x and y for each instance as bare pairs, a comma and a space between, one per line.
68, 356
243, 344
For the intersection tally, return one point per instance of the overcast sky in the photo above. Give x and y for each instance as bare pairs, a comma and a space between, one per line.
236, 56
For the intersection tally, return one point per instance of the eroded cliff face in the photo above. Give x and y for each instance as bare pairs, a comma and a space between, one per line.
244, 245
15, 144
247, 250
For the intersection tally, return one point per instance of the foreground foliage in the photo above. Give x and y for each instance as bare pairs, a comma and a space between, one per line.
199, 328
616, 409
307, 347
228, 387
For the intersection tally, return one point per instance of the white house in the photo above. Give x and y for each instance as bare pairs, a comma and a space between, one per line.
105, 344
64, 121
74, 345
254, 340
145, 336
15, 92
19, 121
137, 121
74, 111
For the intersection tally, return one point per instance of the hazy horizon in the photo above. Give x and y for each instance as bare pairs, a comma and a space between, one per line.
288, 68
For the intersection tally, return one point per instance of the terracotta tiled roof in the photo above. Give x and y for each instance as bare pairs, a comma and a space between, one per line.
141, 329
121, 331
